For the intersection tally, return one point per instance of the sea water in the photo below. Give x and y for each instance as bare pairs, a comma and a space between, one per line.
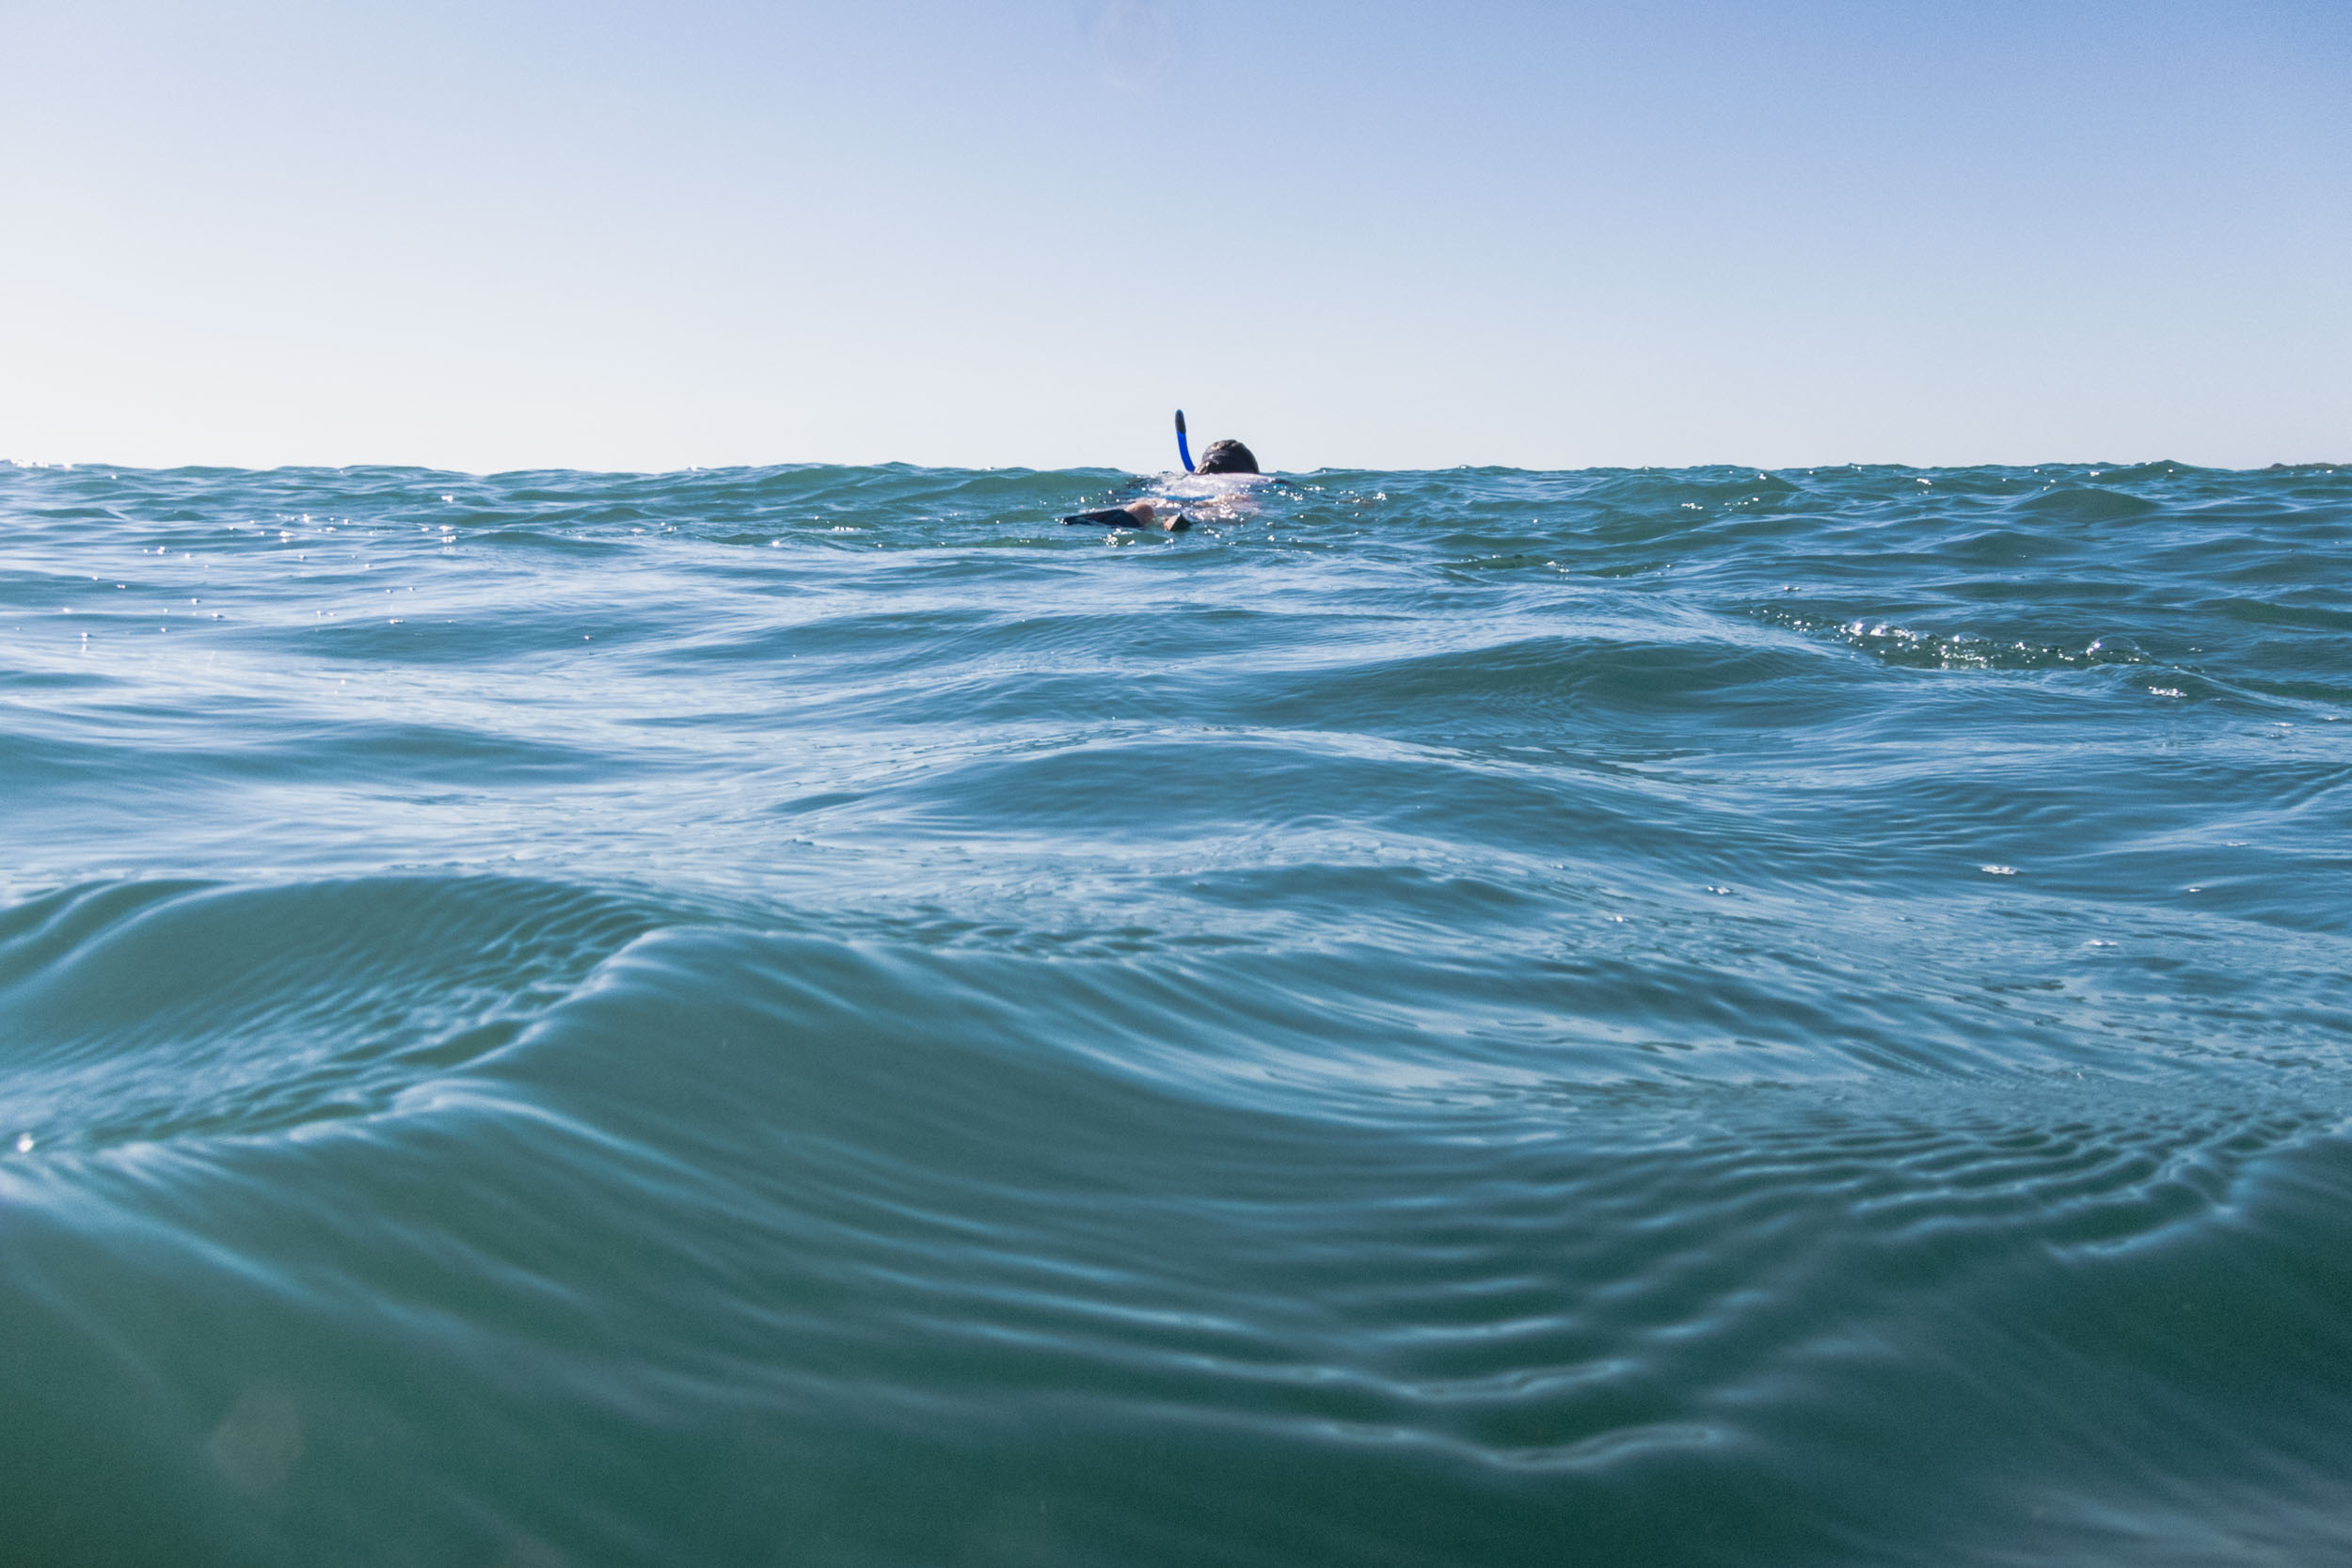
817, 1016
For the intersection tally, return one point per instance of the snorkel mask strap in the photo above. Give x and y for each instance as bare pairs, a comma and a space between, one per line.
1183, 450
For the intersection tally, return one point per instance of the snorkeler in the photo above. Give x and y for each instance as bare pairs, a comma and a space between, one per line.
1227, 457
1217, 458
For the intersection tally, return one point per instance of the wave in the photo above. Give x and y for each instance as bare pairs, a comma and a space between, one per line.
960, 1230
812, 1014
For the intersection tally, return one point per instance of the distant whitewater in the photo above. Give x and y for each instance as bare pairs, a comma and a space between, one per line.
817, 1016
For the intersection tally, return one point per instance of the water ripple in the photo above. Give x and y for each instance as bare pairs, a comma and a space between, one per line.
815, 1015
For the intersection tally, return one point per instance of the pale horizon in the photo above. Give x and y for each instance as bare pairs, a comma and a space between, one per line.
624, 239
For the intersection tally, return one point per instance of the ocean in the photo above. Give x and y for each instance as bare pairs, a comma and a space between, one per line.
817, 1016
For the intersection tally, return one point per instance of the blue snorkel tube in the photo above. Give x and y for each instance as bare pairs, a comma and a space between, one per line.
1182, 450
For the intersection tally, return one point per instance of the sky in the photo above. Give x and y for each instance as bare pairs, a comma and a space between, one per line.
603, 234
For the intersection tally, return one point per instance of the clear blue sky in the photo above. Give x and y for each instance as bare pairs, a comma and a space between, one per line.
510, 233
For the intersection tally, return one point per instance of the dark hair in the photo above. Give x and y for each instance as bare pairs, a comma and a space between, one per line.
1228, 457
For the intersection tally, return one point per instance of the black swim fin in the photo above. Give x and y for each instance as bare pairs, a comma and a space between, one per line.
1118, 516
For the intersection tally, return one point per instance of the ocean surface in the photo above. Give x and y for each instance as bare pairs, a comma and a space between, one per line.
817, 1016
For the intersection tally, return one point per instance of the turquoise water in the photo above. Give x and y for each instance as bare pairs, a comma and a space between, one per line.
815, 1016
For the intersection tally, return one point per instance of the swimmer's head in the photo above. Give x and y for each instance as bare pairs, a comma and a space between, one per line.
1228, 457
